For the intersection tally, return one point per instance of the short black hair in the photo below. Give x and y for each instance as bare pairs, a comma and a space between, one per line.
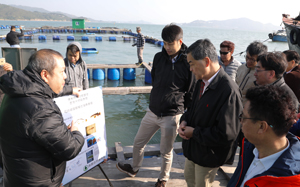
274, 61
203, 48
73, 48
273, 105
292, 55
256, 48
171, 32
12, 27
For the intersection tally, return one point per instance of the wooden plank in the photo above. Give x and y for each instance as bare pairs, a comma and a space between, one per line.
149, 68
119, 151
126, 90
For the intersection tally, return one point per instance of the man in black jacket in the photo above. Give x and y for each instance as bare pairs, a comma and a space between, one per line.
35, 141
171, 94
210, 127
13, 37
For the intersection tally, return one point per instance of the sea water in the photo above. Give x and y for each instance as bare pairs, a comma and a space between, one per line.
123, 113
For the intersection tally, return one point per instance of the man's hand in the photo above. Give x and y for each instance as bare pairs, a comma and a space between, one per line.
7, 67
181, 130
73, 127
76, 91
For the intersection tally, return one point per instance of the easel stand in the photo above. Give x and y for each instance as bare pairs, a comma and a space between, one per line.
110, 184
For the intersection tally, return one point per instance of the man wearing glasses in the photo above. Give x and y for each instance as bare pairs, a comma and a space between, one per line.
245, 73
270, 154
227, 61
269, 71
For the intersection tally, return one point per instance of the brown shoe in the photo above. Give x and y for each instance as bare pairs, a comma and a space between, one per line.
160, 183
126, 168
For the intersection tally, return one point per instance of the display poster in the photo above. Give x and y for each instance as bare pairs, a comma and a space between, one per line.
87, 113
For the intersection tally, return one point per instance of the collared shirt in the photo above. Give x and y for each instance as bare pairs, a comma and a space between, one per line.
259, 166
174, 59
206, 83
290, 70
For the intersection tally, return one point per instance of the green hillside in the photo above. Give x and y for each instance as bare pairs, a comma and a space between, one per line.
12, 13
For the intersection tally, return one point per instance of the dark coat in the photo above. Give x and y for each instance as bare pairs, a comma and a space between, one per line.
215, 117
292, 79
35, 141
13, 37
173, 84
284, 172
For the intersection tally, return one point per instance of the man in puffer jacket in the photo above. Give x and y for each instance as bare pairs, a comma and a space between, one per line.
35, 141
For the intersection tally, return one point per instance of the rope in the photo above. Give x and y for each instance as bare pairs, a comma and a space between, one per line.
245, 51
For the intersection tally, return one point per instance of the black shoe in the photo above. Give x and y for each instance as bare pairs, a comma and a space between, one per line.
160, 183
126, 168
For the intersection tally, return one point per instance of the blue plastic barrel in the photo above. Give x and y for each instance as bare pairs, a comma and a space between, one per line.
85, 38
56, 37
98, 74
112, 38
113, 73
129, 74
98, 38
88, 73
126, 39
148, 79
70, 38
27, 37
42, 37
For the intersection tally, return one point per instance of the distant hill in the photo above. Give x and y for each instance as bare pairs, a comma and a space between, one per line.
34, 9
12, 13
234, 24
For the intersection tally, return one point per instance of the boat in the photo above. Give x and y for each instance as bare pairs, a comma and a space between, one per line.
292, 27
89, 51
279, 36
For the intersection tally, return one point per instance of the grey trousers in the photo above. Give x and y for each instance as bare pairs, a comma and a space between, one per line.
140, 54
149, 126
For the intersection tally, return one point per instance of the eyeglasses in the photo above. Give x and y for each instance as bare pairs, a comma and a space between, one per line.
241, 118
250, 59
260, 70
224, 53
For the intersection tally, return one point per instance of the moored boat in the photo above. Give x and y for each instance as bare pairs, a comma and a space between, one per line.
279, 36
292, 27
89, 51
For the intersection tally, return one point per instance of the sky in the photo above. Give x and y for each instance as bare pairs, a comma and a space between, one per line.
167, 11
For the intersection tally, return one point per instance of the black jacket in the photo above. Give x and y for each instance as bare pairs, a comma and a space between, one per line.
35, 141
215, 118
173, 84
13, 37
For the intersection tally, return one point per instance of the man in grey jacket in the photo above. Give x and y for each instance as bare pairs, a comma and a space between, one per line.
76, 69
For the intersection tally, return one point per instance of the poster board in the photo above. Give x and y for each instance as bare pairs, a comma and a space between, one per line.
87, 113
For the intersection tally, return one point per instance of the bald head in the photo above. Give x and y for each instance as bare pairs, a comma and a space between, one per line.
44, 59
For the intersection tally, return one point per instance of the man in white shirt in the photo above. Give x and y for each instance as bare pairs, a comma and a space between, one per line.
270, 155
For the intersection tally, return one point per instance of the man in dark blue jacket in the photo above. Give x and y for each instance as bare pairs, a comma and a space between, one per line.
171, 94
210, 127
270, 155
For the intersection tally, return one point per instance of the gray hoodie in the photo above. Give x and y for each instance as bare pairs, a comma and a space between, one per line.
76, 76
